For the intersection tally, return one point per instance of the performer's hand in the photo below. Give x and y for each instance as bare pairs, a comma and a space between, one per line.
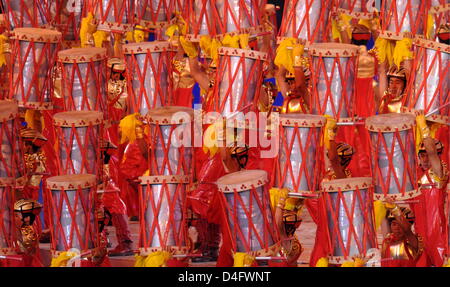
422, 125
389, 203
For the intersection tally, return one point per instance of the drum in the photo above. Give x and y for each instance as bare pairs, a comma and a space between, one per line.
305, 19
300, 153
171, 140
350, 221
149, 13
399, 16
393, 155
201, 18
234, 15
11, 157
246, 204
33, 57
431, 87
148, 68
333, 73
78, 135
162, 207
71, 204
68, 18
7, 225
238, 80
27, 13
83, 79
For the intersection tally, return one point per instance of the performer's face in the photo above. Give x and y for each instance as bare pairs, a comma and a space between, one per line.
396, 86
139, 131
424, 160
396, 229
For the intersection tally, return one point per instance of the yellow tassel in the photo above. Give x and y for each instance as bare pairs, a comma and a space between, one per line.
430, 26
402, 51
242, 259
331, 122
359, 262
127, 127
215, 45
421, 123
335, 30
139, 260
139, 34
348, 264
157, 259
284, 55
365, 22
3, 41
188, 47
86, 29
322, 262
171, 30
117, 43
379, 210
99, 38
231, 41
343, 21
205, 45
62, 259
385, 50
243, 41
129, 36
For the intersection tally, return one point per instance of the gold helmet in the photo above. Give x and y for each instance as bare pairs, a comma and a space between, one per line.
407, 213
116, 64
443, 33
345, 153
27, 206
33, 136
394, 71
439, 146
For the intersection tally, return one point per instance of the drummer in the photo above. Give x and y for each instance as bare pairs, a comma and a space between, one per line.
392, 99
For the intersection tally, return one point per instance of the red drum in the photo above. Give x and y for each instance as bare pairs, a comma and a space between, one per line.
398, 16
71, 203
238, 81
33, 57
305, 19
79, 136
430, 92
113, 15
154, 13
148, 69
349, 210
440, 11
7, 225
11, 157
300, 153
201, 18
333, 73
83, 79
393, 155
235, 15
68, 18
28, 13
249, 221
171, 141
162, 208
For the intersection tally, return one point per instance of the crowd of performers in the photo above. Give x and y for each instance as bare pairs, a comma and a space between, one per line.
344, 76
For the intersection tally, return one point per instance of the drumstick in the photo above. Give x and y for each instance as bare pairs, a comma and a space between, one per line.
303, 195
406, 201
437, 109
350, 123
11, 257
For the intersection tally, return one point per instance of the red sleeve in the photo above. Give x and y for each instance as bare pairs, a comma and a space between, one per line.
133, 164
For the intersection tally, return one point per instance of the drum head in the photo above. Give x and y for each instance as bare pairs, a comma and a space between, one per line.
144, 47
78, 118
170, 115
71, 181
347, 184
333, 50
37, 35
82, 55
390, 122
242, 180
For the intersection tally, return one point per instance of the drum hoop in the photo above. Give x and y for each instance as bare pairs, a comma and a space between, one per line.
427, 44
340, 259
389, 128
310, 121
398, 196
436, 118
270, 251
114, 26
242, 186
7, 182
153, 25
250, 30
11, 111
355, 14
250, 54
145, 47
42, 106
340, 50
94, 55
160, 179
71, 181
85, 118
154, 118
343, 184
175, 250
439, 8
29, 34
391, 35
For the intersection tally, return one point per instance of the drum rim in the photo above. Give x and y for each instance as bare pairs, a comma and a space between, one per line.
93, 54
343, 184
154, 116
30, 34
303, 120
8, 110
432, 45
408, 123
78, 118
71, 181
256, 181
250, 54
333, 50
159, 179
144, 47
